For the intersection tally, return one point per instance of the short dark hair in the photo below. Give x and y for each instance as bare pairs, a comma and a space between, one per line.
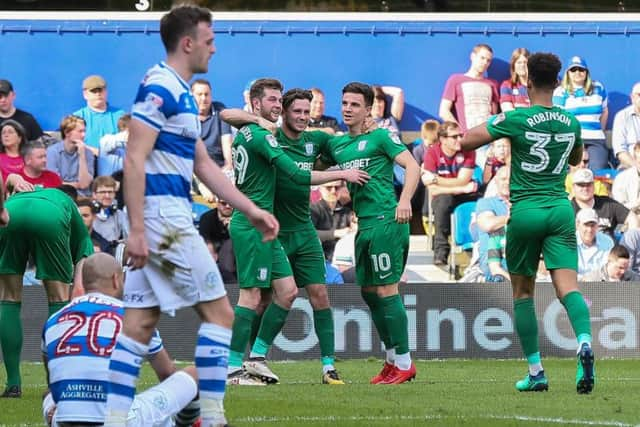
201, 82
69, 190
85, 202
617, 252
294, 94
258, 87
28, 147
181, 21
360, 88
543, 70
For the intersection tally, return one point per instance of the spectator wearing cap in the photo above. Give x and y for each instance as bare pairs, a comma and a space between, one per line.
611, 214
593, 245
8, 111
616, 268
100, 117
600, 188
587, 100
317, 119
215, 133
626, 129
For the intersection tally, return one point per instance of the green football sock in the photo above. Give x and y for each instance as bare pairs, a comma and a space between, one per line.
377, 314
255, 327
323, 324
578, 313
241, 331
526, 325
11, 340
395, 316
56, 306
272, 322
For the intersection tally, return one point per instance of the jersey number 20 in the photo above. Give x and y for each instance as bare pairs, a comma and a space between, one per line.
79, 321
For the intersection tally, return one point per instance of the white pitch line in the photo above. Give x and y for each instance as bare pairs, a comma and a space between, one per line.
269, 420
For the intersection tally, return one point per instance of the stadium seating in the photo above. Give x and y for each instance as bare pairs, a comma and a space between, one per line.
461, 236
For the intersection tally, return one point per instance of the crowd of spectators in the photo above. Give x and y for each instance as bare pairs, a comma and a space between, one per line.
87, 153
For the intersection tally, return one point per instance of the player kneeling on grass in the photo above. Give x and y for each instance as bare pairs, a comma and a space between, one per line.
543, 139
77, 344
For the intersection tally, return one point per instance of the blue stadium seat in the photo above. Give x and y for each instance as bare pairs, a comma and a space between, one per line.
462, 239
197, 209
606, 174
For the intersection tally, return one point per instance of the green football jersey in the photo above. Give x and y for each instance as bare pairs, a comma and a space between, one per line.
256, 158
79, 238
374, 153
292, 200
541, 141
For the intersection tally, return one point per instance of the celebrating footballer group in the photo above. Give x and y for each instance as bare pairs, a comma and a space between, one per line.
276, 248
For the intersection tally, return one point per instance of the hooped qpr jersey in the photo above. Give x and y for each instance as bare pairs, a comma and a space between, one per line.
78, 341
374, 153
291, 205
164, 103
541, 141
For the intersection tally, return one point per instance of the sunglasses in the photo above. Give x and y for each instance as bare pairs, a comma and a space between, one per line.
455, 136
576, 69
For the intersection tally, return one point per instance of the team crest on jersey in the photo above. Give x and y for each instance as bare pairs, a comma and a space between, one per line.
498, 118
396, 139
362, 145
262, 273
271, 140
308, 148
459, 158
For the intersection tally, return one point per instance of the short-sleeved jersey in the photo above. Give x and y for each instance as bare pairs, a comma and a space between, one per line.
78, 341
164, 103
436, 161
79, 239
292, 200
257, 157
541, 141
374, 153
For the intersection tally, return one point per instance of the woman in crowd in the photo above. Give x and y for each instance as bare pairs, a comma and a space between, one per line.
513, 91
13, 136
587, 100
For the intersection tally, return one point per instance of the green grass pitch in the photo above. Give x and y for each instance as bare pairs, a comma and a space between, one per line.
445, 393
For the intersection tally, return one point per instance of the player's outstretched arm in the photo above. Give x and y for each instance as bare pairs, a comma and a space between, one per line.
476, 137
141, 141
575, 157
411, 177
355, 176
212, 176
4, 215
237, 117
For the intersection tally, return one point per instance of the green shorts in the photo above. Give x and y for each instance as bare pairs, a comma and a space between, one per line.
37, 228
257, 262
304, 250
381, 254
550, 231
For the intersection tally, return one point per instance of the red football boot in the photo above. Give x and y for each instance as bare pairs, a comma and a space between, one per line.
399, 376
386, 369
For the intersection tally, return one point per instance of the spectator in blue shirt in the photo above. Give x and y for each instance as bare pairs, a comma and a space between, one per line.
101, 118
593, 245
216, 133
70, 157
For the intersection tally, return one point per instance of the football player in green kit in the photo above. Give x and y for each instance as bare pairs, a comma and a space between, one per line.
258, 161
382, 242
543, 139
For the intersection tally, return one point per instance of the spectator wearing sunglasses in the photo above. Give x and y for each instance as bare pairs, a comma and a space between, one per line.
586, 99
100, 117
448, 173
